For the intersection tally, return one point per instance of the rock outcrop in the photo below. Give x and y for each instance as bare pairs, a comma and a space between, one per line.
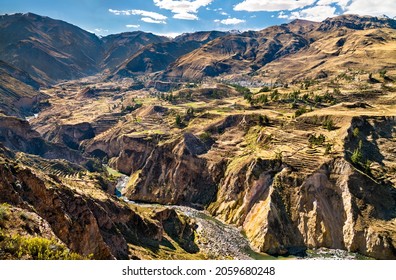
283, 207
91, 223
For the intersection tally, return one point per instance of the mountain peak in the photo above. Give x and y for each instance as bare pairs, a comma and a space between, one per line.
357, 22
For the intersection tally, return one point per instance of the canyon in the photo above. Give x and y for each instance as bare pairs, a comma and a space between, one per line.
284, 139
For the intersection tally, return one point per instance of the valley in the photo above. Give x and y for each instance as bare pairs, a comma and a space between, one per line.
270, 144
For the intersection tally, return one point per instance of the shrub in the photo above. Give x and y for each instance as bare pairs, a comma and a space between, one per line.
130, 108
316, 140
263, 120
356, 132
4, 212
178, 121
265, 89
294, 95
328, 149
37, 248
190, 112
357, 156
274, 95
205, 136
318, 99
263, 99
328, 124
300, 112
382, 73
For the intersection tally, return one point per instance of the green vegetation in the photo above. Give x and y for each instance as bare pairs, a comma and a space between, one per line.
300, 111
328, 124
4, 213
328, 148
316, 140
205, 136
190, 112
36, 248
131, 108
265, 89
356, 132
357, 155
274, 95
263, 120
382, 73
178, 121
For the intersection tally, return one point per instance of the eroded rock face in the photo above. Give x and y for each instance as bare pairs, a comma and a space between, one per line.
282, 208
187, 178
127, 154
18, 135
179, 228
71, 135
85, 224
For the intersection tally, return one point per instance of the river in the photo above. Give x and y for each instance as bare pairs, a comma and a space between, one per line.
224, 241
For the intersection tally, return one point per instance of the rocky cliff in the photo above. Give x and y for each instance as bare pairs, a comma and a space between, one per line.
282, 206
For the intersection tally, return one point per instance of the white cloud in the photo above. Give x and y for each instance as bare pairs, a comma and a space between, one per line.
185, 16
230, 21
147, 16
132, 26
372, 7
272, 5
170, 34
317, 13
100, 30
183, 9
152, 15
150, 20
341, 3
282, 15
223, 14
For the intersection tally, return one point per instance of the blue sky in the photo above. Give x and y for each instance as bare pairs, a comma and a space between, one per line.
171, 17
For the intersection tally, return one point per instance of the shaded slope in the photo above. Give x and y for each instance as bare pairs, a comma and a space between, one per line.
120, 47
17, 98
242, 53
157, 57
49, 50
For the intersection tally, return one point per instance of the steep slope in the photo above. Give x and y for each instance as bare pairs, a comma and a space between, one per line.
49, 50
119, 47
338, 44
241, 53
157, 57
303, 45
287, 204
16, 134
16, 97
78, 215
200, 36
18, 74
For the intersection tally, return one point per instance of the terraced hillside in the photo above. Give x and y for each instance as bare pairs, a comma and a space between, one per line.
278, 160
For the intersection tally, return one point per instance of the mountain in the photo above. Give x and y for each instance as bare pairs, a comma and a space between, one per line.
119, 47
49, 50
53, 50
18, 92
336, 44
239, 53
302, 44
200, 36
19, 75
157, 57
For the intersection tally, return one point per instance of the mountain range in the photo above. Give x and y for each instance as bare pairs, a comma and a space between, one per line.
51, 50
